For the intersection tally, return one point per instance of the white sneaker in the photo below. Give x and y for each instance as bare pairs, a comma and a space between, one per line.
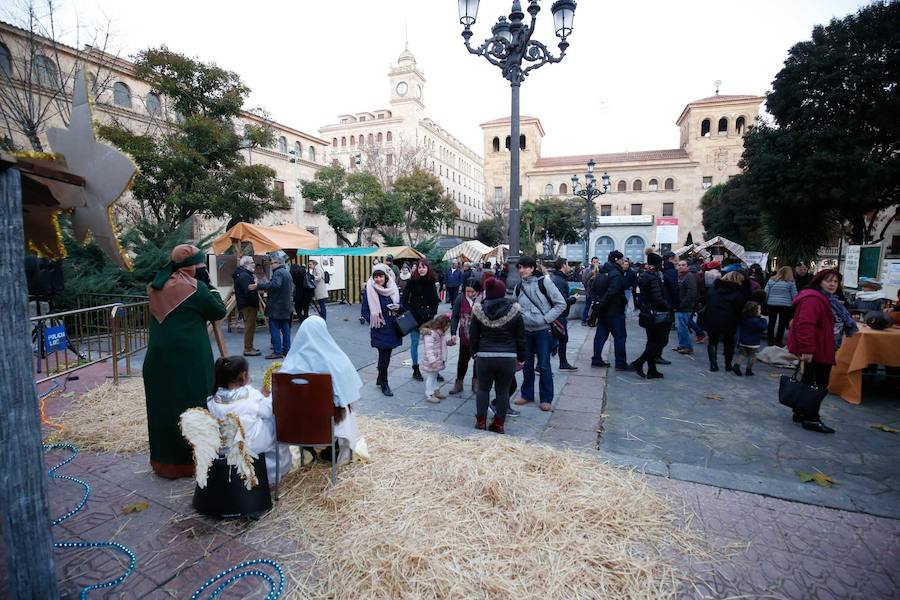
432, 399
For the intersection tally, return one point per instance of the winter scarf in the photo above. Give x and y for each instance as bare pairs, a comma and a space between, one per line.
465, 316
376, 319
843, 322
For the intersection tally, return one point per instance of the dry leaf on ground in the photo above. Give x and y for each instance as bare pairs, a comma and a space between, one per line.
884, 428
135, 507
820, 479
712, 396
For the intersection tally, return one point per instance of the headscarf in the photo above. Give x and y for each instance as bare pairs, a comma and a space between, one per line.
315, 351
172, 284
376, 319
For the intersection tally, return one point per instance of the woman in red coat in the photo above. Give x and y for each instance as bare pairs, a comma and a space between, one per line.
818, 326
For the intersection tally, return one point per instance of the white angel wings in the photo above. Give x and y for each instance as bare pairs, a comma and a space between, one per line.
207, 435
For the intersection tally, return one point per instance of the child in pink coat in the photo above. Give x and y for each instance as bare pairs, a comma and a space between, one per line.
433, 355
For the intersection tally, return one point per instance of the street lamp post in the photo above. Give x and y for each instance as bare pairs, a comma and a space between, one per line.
508, 47
590, 192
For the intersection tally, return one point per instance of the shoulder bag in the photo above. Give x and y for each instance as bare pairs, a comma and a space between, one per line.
802, 397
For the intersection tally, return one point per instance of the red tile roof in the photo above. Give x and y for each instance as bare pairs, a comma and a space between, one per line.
616, 157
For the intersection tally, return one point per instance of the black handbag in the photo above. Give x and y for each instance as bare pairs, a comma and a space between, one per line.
406, 323
653, 318
802, 397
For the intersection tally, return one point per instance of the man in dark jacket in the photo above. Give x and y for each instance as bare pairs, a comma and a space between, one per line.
670, 279
560, 277
610, 302
587, 278
279, 305
247, 301
453, 280
688, 295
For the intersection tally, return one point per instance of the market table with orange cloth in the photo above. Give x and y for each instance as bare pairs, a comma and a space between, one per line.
867, 347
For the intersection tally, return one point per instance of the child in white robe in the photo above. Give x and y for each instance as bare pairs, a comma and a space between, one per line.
315, 351
235, 395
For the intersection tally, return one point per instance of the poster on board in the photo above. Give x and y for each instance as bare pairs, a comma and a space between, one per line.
851, 266
666, 230
890, 277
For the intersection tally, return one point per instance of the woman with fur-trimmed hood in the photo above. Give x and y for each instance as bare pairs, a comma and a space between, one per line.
497, 340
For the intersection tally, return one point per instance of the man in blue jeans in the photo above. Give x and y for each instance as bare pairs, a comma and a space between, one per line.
688, 294
610, 302
279, 305
541, 304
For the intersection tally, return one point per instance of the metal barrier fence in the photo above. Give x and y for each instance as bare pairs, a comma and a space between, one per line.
67, 341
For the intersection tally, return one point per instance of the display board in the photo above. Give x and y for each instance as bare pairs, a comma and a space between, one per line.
851, 267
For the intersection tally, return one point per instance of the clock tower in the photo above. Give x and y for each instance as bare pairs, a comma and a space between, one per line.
407, 85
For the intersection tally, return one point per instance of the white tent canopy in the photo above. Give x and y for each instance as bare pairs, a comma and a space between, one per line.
703, 249
474, 251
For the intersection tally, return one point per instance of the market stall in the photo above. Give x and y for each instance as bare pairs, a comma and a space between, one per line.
349, 268
475, 251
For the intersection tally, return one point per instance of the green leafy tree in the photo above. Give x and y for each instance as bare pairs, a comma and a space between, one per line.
729, 210
355, 204
426, 207
194, 166
563, 219
490, 231
831, 157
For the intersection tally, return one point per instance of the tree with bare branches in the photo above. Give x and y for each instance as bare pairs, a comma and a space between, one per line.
37, 79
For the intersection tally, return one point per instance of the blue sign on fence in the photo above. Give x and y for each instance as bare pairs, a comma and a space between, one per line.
54, 338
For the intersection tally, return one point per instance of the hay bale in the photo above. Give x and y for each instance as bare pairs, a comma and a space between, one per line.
435, 516
109, 418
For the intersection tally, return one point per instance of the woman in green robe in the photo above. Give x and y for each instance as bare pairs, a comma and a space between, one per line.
178, 368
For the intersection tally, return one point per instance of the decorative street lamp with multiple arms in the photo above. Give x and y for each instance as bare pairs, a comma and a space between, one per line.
512, 50
589, 193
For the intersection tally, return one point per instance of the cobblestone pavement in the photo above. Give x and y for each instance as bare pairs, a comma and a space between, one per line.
770, 548
729, 431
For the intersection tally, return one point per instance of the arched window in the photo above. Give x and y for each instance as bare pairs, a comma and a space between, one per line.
548, 189
361, 141
723, 126
522, 144
563, 189
282, 144
352, 140
44, 71
311, 153
603, 246
634, 248
121, 95
622, 186
298, 149
343, 141
154, 106
704, 128
5, 60
637, 186
496, 144
653, 185
390, 137
507, 142
334, 142
379, 138
739, 126
669, 184
370, 139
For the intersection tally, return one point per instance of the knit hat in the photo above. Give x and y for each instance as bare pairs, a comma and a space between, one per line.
654, 260
615, 255
494, 288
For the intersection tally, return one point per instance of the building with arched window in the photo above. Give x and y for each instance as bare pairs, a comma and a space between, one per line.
403, 129
645, 185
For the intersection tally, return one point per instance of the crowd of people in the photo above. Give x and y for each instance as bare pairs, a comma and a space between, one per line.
725, 304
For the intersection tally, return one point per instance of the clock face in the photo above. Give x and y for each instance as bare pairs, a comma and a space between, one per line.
418, 91
402, 88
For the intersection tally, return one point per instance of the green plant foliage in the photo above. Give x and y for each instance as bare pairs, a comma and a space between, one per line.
562, 218
729, 210
490, 231
426, 206
832, 155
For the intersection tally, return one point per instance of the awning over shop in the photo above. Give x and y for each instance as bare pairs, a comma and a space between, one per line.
267, 239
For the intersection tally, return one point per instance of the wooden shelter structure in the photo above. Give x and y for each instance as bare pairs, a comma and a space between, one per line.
266, 239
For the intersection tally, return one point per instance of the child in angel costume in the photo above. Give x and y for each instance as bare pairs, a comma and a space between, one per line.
234, 396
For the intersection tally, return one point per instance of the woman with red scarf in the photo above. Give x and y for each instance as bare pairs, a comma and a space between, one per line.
461, 319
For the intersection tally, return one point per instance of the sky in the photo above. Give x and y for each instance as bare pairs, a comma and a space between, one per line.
629, 71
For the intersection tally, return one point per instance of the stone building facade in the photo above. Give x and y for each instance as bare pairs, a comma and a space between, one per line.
388, 140
644, 185
121, 97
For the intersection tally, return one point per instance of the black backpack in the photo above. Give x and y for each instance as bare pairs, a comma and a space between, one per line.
310, 281
327, 277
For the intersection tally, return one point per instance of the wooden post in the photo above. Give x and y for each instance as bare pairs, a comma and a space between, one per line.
25, 516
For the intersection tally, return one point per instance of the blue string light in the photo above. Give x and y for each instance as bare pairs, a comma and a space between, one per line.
275, 588
132, 559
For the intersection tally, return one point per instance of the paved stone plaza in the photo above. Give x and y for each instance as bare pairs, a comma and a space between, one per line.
783, 540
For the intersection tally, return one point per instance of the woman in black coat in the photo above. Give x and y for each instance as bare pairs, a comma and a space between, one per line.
722, 316
654, 317
380, 307
302, 294
421, 298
